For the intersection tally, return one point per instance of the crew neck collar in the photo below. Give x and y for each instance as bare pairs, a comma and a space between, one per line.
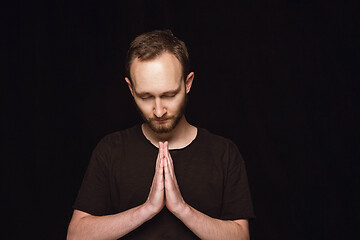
148, 142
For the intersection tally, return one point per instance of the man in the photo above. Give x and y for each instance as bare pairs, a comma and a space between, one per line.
165, 178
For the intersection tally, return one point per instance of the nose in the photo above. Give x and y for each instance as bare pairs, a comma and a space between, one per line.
159, 109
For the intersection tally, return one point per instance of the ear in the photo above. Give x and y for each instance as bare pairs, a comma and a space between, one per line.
189, 81
129, 85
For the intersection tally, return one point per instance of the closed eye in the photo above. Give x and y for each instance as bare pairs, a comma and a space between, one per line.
146, 97
169, 95
166, 95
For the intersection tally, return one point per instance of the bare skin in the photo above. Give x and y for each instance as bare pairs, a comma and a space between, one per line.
86, 226
202, 225
152, 82
164, 192
159, 91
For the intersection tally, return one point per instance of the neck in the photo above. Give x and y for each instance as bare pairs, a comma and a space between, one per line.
181, 136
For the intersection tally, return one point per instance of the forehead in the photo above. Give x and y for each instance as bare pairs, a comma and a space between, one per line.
163, 73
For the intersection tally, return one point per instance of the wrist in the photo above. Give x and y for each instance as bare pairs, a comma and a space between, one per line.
183, 212
146, 211
149, 211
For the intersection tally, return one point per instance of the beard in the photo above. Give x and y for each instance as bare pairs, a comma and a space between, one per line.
170, 124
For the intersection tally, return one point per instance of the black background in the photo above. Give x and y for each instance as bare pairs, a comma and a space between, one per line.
279, 78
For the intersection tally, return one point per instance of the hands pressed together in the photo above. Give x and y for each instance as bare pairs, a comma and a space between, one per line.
164, 189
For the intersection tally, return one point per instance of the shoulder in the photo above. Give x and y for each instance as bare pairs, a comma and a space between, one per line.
216, 141
219, 146
125, 133
112, 145
117, 139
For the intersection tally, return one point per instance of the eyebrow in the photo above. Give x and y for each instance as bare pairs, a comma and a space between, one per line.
175, 91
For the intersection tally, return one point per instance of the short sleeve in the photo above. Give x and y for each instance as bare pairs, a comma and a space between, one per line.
237, 202
93, 196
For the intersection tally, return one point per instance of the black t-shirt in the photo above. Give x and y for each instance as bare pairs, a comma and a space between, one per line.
210, 172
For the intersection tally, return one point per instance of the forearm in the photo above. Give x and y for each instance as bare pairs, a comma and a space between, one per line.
110, 226
206, 227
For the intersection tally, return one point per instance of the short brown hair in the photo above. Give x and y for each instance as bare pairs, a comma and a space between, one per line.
150, 45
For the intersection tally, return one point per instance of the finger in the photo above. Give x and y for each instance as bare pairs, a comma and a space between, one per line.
168, 177
159, 171
169, 160
165, 148
168, 156
166, 153
161, 154
171, 186
158, 161
170, 166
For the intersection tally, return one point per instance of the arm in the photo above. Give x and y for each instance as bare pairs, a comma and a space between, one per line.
203, 226
206, 227
87, 226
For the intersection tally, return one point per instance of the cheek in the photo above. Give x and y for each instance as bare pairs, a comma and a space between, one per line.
145, 108
176, 104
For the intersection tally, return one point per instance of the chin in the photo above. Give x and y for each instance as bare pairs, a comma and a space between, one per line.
162, 129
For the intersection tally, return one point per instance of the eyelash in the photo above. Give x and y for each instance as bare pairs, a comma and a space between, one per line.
150, 97
169, 96
145, 98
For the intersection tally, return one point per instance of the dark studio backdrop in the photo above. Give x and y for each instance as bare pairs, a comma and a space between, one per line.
279, 78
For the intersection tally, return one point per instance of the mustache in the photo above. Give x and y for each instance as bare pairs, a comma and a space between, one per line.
161, 118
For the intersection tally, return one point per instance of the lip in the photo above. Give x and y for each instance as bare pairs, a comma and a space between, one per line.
162, 120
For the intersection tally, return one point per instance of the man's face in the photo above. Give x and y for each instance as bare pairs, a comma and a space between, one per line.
159, 91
